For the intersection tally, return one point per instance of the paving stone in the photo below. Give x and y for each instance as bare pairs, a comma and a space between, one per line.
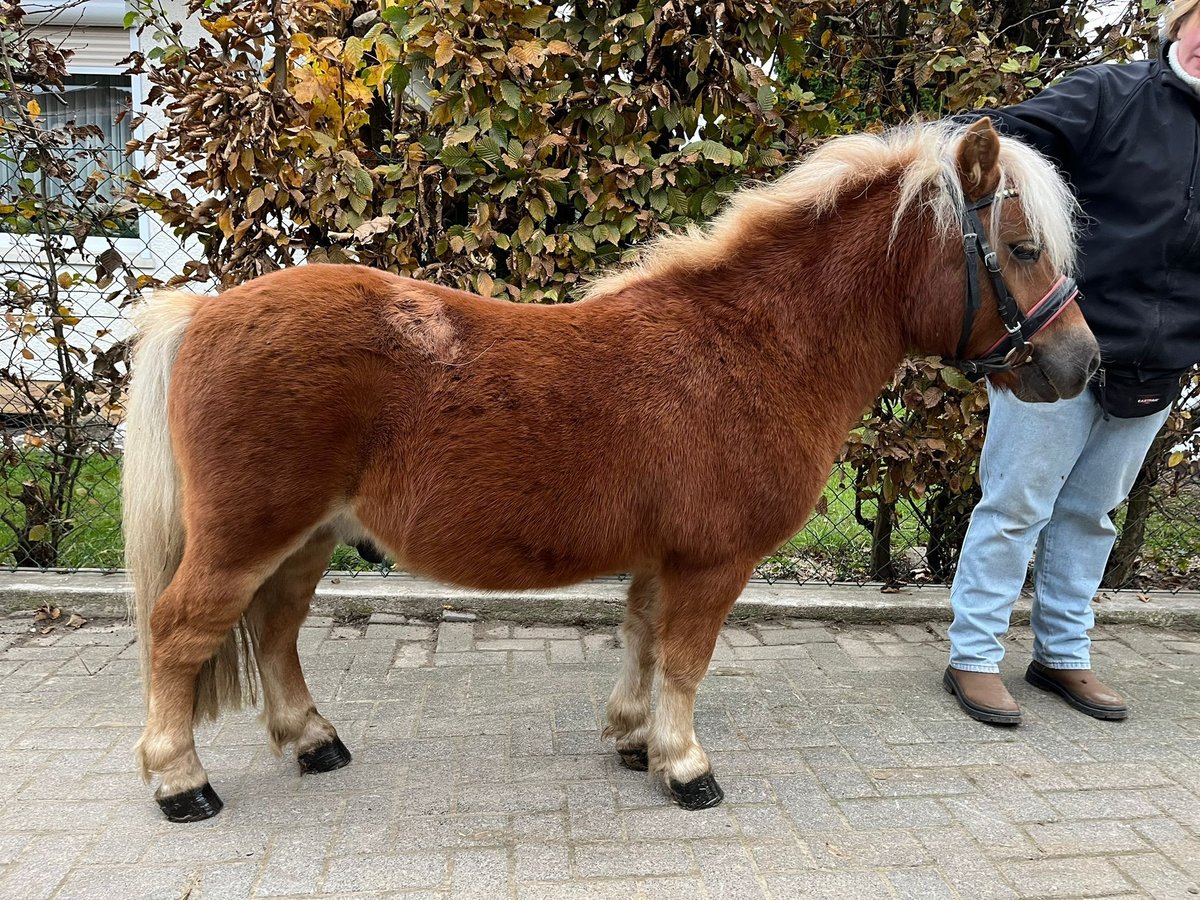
493, 645
400, 632
542, 862
914, 883
671, 888
565, 651
1157, 877
545, 632
1088, 876
727, 870
386, 872
481, 874
864, 885
1077, 838
1103, 804
593, 889
628, 859
150, 883
915, 812
455, 637
861, 849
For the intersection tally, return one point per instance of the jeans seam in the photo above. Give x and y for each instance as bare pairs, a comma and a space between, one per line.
983, 669
1062, 664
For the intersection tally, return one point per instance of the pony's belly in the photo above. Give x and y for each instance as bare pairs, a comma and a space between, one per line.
470, 552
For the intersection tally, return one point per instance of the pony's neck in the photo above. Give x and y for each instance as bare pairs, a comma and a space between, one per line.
835, 300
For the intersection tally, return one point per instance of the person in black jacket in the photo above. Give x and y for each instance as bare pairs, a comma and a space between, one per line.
1128, 139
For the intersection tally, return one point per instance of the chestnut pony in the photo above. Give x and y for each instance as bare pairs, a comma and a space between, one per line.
677, 424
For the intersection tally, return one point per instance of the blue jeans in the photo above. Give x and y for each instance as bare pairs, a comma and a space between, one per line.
1050, 473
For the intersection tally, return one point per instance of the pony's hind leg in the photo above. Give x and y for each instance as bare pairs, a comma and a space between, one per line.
628, 713
274, 619
193, 625
692, 608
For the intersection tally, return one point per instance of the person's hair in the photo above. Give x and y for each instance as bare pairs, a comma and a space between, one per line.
1176, 14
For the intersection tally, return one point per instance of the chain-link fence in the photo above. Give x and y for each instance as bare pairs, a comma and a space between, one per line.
62, 378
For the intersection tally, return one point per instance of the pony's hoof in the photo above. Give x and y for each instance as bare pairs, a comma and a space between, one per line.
324, 758
195, 805
635, 759
370, 553
699, 793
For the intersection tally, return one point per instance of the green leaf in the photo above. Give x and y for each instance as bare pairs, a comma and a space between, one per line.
532, 18
39, 533
766, 98
511, 94
414, 27
715, 151
454, 157
489, 150
362, 181
956, 379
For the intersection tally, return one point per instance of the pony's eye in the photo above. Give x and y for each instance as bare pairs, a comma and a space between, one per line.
1026, 251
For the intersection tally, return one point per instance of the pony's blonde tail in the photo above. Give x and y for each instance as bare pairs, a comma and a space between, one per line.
151, 516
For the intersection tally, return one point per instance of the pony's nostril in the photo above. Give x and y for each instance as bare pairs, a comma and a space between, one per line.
1094, 365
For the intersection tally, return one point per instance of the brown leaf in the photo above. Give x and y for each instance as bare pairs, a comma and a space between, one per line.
76, 621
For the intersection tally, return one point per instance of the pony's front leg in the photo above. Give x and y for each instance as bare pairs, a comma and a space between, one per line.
692, 608
628, 713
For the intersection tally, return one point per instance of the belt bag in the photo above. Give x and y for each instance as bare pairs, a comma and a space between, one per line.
1125, 394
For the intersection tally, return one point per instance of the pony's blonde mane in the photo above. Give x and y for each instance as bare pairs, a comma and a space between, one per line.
923, 153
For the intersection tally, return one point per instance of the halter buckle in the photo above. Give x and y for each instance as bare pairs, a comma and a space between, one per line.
1018, 356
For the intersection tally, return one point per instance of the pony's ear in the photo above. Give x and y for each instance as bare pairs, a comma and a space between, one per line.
979, 159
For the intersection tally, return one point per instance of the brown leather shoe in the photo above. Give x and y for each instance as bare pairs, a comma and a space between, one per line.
982, 696
1080, 688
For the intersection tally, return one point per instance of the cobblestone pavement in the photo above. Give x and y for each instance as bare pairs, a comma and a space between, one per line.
479, 772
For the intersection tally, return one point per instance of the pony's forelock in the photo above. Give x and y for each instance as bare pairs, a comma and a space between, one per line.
925, 154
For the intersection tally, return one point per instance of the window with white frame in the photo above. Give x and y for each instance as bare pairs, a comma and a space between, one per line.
95, 93
102, 101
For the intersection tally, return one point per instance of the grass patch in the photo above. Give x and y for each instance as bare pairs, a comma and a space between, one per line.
831, 547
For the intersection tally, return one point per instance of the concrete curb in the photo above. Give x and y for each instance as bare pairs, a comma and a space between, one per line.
598, 602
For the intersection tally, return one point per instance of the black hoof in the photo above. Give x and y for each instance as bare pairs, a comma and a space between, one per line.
195, 805
324, 758
699, 793
635, 759
370, 553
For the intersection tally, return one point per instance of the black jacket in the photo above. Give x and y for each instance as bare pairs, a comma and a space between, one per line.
1128, 139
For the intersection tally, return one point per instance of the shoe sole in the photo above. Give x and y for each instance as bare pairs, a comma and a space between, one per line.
1109, 713
988, 716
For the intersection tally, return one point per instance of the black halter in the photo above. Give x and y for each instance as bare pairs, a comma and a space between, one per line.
1014, 348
